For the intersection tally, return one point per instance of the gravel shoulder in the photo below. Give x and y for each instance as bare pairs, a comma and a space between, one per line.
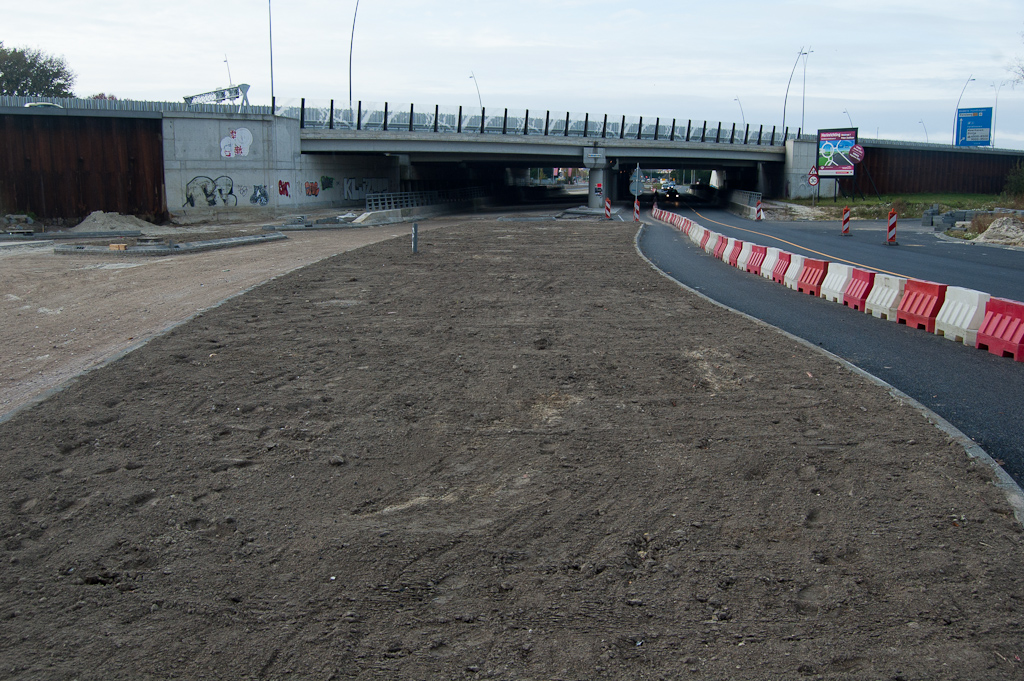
519, 454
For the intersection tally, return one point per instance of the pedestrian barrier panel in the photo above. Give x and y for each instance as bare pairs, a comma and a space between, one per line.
745, 253
921, 303
796, 266
961, 315
812, 277
856, 294
781, 267
838, 278
885, 296
721, 245
1002, 331
732, 253
771, 257
756, 261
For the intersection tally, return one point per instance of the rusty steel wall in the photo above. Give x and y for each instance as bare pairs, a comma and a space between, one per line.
66, 166
928, 171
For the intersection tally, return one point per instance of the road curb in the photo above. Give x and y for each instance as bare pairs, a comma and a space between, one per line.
1012, 491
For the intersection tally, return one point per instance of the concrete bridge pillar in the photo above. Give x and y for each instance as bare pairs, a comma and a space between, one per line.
595, 160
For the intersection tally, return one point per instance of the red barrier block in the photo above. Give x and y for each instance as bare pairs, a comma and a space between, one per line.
704, 239
857, 291
921, 303
812, 276
1002, 331
720, 246
779, 273
757, 256
734, 256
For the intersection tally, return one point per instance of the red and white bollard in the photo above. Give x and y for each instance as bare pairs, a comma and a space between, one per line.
608, 208
846, 221
890, 237
760, 211
636, 210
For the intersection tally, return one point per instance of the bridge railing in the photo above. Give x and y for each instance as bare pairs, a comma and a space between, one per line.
390, 117
398, 200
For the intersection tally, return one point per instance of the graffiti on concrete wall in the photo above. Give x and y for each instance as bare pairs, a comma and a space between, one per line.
236, 143
312, 189
259, 197
370, 185
282, 188
211, 192
326, 182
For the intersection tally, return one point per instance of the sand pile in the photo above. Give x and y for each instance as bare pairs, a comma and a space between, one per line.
98, 221
1008, 231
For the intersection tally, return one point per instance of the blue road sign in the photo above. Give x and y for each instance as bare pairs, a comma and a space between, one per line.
974, 127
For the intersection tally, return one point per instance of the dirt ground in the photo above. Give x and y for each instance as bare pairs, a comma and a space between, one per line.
519, 454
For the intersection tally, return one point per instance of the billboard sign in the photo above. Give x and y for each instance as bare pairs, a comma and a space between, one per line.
974, 127
834, 152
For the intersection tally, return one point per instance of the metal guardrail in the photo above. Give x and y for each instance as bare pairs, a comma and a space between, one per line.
130, 105
386, 117
744, 198
398, 200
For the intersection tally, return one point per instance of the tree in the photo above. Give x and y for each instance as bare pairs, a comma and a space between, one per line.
103, 95
28, 72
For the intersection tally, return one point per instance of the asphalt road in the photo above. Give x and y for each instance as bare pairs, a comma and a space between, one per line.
979, 393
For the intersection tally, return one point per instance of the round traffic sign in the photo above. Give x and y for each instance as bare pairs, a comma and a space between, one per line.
813, 180
636, 188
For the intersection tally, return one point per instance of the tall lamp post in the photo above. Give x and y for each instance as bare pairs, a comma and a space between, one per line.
741, 112
803, 95
925, 129
848, 118
956, 112
478, 97
785, 100
995, 111
270, 27
351, 42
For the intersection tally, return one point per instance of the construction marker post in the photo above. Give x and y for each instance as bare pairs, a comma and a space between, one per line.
890, 237
636, 210
759, 215
608, 208
415, 237
846, 221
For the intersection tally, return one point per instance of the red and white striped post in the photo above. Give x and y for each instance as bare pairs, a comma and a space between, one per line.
608, 208
636, 210
846, 221
760, 211
890, 237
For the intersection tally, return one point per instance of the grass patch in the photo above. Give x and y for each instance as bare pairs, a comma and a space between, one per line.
906, 205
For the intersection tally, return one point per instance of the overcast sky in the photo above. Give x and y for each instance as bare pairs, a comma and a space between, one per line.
896, 66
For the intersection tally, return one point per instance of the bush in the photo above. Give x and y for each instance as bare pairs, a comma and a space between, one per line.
1014, 188
982, 221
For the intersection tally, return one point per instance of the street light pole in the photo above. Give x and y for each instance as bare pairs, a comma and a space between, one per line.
351, 43
785, 100
741, 112
995, 111
956, 112
848, 118
925, 129
803, 95
478, 97
270, 27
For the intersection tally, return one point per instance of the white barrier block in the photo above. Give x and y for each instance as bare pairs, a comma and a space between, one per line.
836, 280
728, 250
885, 296
770, 261
696, 234
709, 247
745, 252
961, 315
796, 266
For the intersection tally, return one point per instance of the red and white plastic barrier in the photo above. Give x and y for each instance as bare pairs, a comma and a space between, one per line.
812, 277
838, 278
1002, 332
771, 257
796, 267
745, 253
921, 303
885, 297
782, 267
859, 288
756, 260
961, 315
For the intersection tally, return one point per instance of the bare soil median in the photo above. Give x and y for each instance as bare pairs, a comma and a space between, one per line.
519, 454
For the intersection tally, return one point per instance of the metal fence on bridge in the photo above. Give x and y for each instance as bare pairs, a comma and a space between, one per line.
389, 117
398, 200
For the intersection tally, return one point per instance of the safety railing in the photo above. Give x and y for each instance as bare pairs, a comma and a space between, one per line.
126, 105
398, 200
388, 117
